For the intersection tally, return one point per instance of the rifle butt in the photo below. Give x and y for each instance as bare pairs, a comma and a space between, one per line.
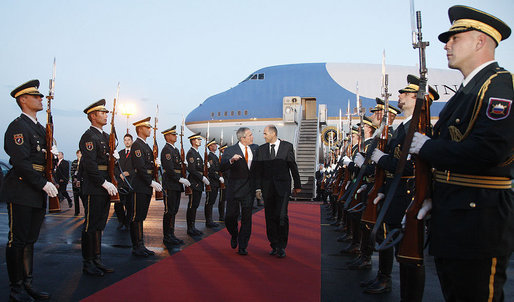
411, 247
115, 198
159, 195
54, 205
188, 190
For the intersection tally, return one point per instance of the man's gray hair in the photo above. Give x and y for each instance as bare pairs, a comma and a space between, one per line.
241, 132
273, 129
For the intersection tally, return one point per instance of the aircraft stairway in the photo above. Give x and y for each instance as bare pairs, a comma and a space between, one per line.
306, 157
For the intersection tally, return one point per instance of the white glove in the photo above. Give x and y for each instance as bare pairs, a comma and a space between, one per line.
50, 189
184, 182
54, 150
157, 186
417, 142
379, 197
377, 155
404, 221
346, 160
110, 188
333, 166
258, 194
359, 160
206, 181
347, 185
222, 180
158, 161
115, 154
208, 165
362, 188
425, 208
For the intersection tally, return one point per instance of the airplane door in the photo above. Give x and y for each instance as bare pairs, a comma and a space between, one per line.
310, 109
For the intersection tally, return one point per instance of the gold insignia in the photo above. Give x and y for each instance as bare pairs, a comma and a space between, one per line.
191, 159
168, 156
397, 152
137, 153
38, 148
210, 162
18, 139
89, 146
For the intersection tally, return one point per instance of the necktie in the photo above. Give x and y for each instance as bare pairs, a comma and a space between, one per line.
273, 151
127, 155
246, 154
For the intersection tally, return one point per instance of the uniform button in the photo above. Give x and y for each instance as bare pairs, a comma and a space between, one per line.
457, 120
408, 191
472, 205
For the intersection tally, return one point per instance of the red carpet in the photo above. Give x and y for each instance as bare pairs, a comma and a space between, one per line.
210, 270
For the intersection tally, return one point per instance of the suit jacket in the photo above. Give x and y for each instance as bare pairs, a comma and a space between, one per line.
277, 172
471, 222
125, 165
240, 182
141, 156
25, 144
62, 172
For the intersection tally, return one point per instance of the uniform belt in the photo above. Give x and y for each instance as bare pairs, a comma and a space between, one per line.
39, 168
476, 181
147, 171
178, 171
391, 175
102, 167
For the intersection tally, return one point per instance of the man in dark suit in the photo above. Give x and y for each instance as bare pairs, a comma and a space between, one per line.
238, 160
472, 225
275, 166
62, 177
124, 183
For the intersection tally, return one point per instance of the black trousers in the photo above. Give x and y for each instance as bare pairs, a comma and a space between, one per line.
76, 200
277, 220
171, 202
137, 208
234, 207
120, 208
472, 279
221, 204
210, 200
63, 193
24, 224
96, 209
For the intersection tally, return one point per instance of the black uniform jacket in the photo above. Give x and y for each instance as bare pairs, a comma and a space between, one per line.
241, 181
25, 143
214, 168
125, 165
195, 169
170, 160
141, 156
94, 146
405, 190
472, 222
277, 173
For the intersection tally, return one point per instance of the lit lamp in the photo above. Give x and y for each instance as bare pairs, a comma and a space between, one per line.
128, 110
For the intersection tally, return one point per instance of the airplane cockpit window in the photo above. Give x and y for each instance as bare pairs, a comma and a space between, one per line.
254, 77
261, 76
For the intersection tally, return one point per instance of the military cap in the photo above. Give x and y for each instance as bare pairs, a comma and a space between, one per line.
143, 123
223, 147
465, 18
367, 121
30, 87
213, 141
414, 87
194, 136
96, 106
381, 105
355, 130
171, 130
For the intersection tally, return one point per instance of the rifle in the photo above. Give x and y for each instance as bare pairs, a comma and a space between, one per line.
222, 185
187, 189
112, 148
53, 202
205, 161
396, 236
155, 151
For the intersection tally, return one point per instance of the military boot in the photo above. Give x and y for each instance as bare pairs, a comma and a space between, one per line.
412, 282
14, 260
88, 254
98, 251
208, 217
166, 230
137, 250
141, 240
28, 256
172, 231
382, 285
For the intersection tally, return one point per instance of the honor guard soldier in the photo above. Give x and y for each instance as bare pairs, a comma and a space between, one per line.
96, 188
143, 185
223, 197
172, 182
471, 230
215, 180
197, 180
25, 189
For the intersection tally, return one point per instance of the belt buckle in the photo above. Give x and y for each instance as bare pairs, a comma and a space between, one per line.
447, 175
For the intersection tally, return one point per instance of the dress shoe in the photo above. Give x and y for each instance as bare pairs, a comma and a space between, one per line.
70, 204
76, 214
363, 264
89, 268
34, 293
381, 285
353, 249
233, 242
211, 224
99, 265
242, 252
149, 252
18, 293
368, 282
192, 233
139, 252
197, 231
336, 223
168, 239
273, 252
281, 253
354, 260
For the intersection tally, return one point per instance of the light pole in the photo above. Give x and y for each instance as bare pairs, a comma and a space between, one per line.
128, 110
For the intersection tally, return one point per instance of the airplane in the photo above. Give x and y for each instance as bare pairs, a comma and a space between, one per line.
285, 94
